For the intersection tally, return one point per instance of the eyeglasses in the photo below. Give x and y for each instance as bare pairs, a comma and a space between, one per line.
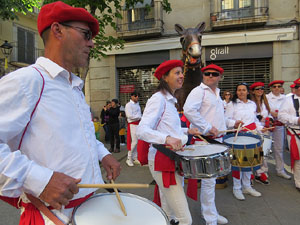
214, 74
227, 94
87, 33
260, 88
296, 87
277, 86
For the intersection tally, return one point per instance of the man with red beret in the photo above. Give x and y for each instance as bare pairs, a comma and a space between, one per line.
275, 100
204, 109
292, 86
289, 114
47, 139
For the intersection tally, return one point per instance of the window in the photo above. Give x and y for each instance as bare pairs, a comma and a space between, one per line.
26, 46
237, 8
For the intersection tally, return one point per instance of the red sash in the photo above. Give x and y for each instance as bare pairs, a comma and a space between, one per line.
31, 215
293, 148
142, 150
129, 134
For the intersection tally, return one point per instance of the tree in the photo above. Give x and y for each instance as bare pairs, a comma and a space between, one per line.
106, 12
10, 8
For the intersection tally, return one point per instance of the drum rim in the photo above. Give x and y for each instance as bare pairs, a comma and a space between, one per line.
239, 146
125, 194
202, 156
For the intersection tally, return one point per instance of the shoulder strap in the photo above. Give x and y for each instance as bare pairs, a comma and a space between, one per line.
20, 144
296, 105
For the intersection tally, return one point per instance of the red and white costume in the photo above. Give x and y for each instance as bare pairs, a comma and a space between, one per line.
133, 114
287, 115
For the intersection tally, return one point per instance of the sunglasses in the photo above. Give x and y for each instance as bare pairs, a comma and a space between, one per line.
260, 88
276, 86
214, 74
296, 87
87, 33
227, 94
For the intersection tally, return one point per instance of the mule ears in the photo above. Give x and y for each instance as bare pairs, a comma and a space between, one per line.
200, 27
180, 29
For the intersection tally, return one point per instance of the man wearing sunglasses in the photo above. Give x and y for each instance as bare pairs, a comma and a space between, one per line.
289, 114
275, 100
47, 139
204, 109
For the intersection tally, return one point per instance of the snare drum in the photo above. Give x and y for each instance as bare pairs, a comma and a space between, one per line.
267, 145
104, 209
205, 161
247, 151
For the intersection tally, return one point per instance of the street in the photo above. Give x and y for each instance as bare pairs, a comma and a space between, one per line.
279, 204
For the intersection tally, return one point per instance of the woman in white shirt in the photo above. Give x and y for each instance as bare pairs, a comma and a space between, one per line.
243, 109
160, 124
227, 96
263, 114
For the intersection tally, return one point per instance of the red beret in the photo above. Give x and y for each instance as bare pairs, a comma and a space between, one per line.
61, 12
166, 67
292, 85
276, 82
213, 67
257, 84
297, 82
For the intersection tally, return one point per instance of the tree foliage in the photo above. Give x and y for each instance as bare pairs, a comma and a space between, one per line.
9, 8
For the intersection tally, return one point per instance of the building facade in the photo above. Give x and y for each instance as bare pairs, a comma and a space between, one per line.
253, 40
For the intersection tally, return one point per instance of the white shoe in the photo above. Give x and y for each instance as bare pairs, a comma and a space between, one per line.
238, 194
284, 175
222, 220
136, 162
129, 162
251, 191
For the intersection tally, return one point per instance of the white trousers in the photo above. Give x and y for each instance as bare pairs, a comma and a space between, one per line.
173, 199
244, 181
278, 144
296, 169
134, 140
207, 198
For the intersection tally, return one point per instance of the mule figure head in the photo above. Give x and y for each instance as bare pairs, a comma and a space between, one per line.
191, 43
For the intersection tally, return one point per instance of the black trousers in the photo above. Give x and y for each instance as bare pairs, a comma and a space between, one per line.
114, 136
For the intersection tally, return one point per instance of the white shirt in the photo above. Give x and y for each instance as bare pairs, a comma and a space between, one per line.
275, 101
244, 111
287, 112
204, 108
60, 136
160, 119
133, 111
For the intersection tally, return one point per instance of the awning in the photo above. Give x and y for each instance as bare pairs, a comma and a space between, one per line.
140, 5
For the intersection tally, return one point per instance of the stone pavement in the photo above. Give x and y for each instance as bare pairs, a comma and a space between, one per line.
279, 204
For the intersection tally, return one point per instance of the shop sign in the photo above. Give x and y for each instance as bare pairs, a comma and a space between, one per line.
126, 88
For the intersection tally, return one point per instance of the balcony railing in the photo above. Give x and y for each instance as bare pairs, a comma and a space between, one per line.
255, 13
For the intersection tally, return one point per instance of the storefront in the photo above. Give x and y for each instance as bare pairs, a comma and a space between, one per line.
242, 63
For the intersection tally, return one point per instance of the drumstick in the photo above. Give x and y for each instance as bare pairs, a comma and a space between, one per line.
199, 136
113, 185
119, 199
237, 132
252, 131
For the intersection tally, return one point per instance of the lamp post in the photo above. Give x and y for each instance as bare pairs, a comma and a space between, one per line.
6, 49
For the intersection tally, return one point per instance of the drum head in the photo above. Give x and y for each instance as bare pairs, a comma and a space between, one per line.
242, 140
104, 209
202, 150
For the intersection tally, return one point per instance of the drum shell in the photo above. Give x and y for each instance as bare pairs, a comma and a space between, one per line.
208, 166
246, 157
133, 216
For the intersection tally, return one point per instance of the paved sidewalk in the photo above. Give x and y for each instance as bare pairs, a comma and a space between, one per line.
279, 204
